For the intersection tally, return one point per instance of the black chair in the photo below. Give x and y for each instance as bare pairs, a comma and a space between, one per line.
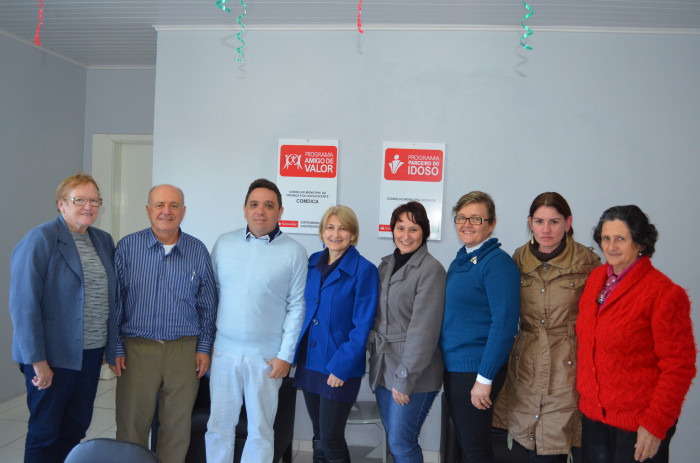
283, 426
110, 451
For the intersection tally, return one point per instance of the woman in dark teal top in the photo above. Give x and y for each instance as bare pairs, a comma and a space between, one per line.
482, 307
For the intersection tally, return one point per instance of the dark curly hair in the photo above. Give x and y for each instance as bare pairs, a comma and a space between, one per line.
416, 213
643, 232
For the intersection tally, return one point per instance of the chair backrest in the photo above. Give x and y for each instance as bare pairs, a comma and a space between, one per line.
110, 451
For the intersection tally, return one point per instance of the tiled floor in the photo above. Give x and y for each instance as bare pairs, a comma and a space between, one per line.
14, 416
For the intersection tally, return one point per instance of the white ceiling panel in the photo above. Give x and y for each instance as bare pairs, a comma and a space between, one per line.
121, 32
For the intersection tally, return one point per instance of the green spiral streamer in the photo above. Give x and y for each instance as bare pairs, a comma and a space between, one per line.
528, 31
238, 36
221, 5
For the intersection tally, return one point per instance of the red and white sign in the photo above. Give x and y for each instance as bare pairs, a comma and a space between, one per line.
412, 172
413, 165
307, 175
308, 161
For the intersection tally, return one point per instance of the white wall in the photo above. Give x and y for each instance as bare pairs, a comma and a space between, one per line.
604, 119
42, 119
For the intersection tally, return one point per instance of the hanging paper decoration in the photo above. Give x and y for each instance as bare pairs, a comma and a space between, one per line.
238, 36
359, 17
41, 21
221, 5
528, 31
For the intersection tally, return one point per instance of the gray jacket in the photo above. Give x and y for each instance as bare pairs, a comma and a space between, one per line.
403, 345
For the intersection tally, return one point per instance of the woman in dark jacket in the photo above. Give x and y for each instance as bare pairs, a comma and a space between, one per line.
341, 294
405, 362
63, 294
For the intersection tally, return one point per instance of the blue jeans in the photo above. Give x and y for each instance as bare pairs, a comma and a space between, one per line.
60, 415
403, 423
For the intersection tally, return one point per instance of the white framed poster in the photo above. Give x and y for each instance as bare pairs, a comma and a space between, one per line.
412, 172
307, 176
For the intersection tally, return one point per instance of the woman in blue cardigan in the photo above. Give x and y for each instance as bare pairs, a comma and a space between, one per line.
482, 307
63, 294
342, 289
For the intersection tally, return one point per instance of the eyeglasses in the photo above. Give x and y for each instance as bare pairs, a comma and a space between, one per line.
95, 202
475, 220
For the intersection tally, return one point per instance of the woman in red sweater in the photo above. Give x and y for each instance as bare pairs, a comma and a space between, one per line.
636, 351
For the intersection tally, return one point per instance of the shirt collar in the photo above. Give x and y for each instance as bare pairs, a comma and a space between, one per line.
153, 241
474, 248
611, 272
269, 237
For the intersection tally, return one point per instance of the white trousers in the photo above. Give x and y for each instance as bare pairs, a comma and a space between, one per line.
234, 377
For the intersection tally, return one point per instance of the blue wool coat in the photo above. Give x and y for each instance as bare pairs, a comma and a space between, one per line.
340, 315
46, 294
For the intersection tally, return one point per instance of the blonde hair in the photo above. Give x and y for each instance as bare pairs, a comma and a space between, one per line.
346, 216
77, 179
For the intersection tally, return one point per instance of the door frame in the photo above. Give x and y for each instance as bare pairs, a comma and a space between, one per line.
103, 153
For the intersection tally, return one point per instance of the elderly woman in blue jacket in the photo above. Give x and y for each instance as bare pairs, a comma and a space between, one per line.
342, 289
63, 294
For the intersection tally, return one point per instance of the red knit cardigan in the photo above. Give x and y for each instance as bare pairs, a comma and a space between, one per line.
636, 356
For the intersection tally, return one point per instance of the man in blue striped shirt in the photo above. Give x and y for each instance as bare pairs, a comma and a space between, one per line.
166, 323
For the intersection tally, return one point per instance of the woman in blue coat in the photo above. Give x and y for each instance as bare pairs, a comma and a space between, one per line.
342, 289
63, 294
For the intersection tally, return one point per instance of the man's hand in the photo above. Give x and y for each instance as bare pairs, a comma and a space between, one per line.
43, 375
201, 362
119, 365
280, 368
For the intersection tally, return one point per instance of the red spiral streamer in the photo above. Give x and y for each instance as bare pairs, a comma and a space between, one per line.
359, 17
41, 21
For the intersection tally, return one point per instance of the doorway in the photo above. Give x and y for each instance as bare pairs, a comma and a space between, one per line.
122, 166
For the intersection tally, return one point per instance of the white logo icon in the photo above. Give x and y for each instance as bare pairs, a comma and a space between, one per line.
292, 160
395, 164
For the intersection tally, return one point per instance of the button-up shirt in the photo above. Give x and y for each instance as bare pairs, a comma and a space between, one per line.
165, 296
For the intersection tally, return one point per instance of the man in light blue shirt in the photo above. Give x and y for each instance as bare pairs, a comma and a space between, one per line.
261, 274
166, 323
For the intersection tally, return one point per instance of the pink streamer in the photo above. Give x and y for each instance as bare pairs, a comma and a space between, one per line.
41, 21
359, 17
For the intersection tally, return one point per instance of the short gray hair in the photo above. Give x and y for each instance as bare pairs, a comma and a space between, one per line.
165, 184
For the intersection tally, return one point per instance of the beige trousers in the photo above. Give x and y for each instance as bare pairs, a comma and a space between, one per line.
158, 367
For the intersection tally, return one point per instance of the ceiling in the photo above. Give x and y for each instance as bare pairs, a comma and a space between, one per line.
95, 33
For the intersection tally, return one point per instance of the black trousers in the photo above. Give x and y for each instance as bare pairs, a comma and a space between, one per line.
602, 443
328, 418
472, 426
532, 456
